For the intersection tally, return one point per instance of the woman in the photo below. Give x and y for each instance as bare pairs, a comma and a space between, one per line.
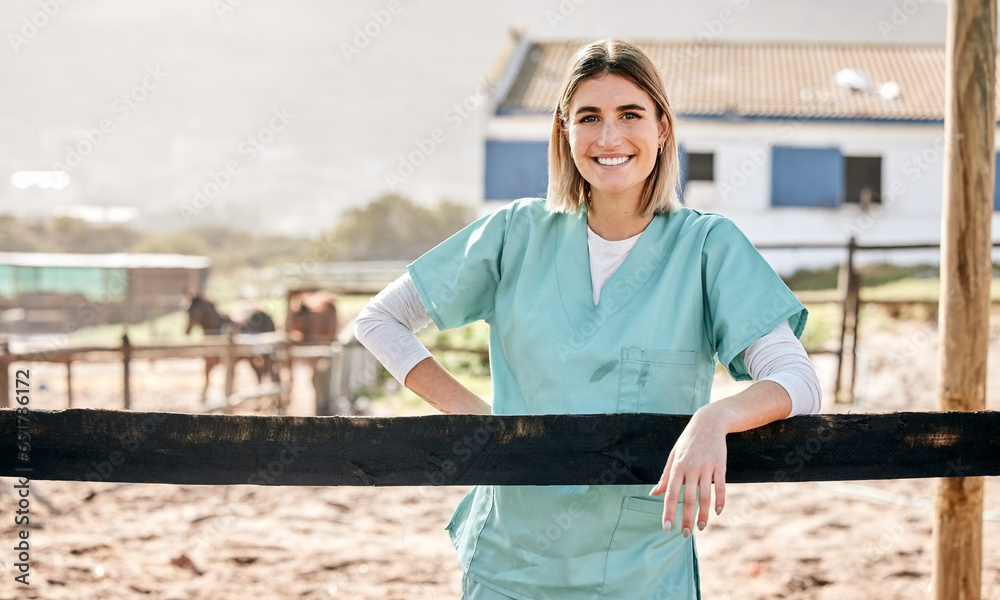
604, 297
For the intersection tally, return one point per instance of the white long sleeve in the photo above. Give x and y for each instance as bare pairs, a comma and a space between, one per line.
387, 324
778, 356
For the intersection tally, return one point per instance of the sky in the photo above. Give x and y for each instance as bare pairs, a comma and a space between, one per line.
277, 116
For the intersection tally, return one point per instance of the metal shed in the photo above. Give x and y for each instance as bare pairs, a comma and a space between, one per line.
60, 293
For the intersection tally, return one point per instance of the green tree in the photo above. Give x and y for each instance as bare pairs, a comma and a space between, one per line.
74, 235
392, 227
227, 248
175, 243
17, 237
220, 237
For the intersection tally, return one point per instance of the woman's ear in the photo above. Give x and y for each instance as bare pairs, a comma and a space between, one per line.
664, 129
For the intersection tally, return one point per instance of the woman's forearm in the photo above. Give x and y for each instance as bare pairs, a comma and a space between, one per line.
761, 403
429, 380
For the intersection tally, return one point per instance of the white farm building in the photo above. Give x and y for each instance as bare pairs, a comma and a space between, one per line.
796, 142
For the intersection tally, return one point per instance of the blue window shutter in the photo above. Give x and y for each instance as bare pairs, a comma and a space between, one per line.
806, 176
516, 169
996, 184
682, 159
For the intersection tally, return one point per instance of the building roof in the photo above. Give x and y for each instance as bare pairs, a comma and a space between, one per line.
758, 80
104, 261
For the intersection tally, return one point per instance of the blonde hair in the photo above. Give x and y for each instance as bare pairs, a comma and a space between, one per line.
567, 188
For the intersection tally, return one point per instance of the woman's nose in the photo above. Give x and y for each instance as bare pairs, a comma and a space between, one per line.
610, 136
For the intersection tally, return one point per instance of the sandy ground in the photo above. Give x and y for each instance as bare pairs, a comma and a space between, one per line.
782, 540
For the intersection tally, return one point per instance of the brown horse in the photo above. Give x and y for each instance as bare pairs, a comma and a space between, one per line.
312, 316
203, 313
312, 319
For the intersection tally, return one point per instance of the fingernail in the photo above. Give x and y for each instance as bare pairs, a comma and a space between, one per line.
686, 532
652, 490
718, 510
667, 525
701, 526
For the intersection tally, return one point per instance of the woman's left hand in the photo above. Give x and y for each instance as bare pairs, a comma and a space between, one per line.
697, 461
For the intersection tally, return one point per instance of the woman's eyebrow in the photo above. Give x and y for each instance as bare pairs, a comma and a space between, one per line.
622, 108
625, 107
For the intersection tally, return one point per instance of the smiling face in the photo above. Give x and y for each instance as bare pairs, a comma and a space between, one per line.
614, 134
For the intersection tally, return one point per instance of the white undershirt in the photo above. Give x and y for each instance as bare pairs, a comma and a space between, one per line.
387, 324
605, 258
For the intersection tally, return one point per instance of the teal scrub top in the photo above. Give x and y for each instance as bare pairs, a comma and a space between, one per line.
693, 290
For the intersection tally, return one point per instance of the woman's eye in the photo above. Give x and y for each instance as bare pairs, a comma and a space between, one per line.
630, 115
589, 119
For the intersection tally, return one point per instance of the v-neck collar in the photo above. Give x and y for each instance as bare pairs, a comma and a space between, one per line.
574, 279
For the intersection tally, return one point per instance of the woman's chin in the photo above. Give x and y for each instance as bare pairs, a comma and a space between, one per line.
604, 188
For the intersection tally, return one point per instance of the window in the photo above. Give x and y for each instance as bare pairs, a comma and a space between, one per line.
696, 186
824, 177
700, 167
806, 176
516, 169
864, 180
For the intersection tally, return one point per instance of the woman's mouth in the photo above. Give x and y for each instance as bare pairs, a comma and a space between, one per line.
613, 162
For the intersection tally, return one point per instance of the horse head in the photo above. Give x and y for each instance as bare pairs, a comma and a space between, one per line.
202, 312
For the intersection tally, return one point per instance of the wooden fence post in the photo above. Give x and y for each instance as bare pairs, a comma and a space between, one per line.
849, 284
282, 358
4, 374
966, 270
126, 359
230, 361
322, 369
855, 306
69, 382
337, 376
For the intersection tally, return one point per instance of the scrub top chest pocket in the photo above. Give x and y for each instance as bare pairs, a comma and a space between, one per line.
658, 381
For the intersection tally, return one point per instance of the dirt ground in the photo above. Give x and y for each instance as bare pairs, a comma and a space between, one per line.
781, 540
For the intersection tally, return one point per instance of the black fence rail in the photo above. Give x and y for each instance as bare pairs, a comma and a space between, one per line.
130, 446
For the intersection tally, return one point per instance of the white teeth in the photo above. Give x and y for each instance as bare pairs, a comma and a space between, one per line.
613, 161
